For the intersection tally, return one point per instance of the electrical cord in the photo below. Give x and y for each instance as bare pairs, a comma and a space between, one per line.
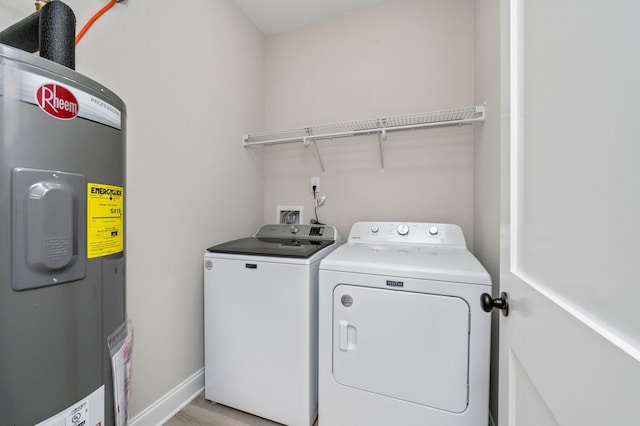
315, 208
93, 19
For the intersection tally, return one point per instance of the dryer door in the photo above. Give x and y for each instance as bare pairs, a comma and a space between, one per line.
409, 346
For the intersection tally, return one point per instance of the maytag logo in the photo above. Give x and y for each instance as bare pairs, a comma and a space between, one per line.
395, 283
57, 101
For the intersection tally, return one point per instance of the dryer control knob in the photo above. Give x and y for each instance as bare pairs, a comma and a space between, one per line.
294, 229
374, 228
403, 229
433, 230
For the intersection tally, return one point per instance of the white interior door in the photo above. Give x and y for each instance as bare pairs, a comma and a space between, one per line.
570, 349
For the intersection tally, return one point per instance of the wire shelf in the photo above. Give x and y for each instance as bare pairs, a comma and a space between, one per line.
451, 117
381, 126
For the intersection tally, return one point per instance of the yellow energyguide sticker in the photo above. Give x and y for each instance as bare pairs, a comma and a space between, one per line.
105, 219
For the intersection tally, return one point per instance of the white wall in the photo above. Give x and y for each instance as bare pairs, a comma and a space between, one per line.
192, 78
487, 162
400, 58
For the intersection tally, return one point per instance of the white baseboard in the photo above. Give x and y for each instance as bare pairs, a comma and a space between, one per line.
166, 407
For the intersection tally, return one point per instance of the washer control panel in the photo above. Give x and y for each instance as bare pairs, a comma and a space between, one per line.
440, 234
307, 232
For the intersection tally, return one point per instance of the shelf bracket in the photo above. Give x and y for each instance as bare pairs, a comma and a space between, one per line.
309, 141
382, 137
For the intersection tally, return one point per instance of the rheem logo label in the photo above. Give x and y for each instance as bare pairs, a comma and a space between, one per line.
57, 101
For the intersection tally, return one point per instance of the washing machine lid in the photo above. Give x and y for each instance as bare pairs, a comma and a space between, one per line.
411, 261
278, 247
278, 240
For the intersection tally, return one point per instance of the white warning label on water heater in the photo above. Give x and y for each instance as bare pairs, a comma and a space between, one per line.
87, 412
105, 219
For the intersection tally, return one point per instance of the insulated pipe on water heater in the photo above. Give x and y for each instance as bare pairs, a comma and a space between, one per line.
58, 34
51, 30
23, 35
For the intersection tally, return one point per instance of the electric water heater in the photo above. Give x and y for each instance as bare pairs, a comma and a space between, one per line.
62, 255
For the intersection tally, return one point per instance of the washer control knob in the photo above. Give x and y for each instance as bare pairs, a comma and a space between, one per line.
433, 230
375, 229
294, 229
403, 229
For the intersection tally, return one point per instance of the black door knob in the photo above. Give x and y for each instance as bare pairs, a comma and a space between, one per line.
502, 303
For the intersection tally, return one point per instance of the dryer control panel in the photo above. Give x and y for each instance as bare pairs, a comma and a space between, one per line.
438, 234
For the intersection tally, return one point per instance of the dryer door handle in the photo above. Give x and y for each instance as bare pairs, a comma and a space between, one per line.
343, 335
347, 336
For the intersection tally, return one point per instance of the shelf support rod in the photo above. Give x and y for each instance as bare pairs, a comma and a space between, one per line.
308, 141
382, 137
315, 147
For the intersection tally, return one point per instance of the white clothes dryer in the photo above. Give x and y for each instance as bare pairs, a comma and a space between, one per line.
403, 339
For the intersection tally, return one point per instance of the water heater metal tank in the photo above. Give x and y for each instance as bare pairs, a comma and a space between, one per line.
62, 255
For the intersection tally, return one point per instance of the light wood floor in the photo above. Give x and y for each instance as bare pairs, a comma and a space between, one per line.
203, 412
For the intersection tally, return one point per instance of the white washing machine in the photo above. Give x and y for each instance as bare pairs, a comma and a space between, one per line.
261, 327
403, 339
